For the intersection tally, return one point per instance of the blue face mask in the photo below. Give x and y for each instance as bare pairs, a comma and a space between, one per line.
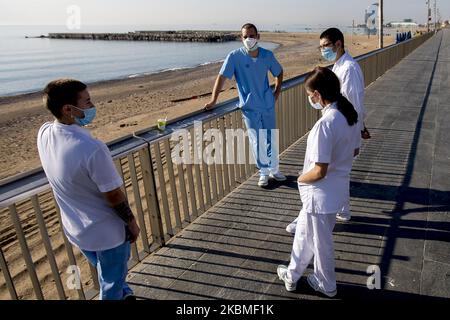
328, 54
89, 115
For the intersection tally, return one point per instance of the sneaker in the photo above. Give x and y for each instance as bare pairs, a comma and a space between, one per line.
313, 283
278, 176
263, 181
129, 297
343, 217
282, 275
291, 227
365, 134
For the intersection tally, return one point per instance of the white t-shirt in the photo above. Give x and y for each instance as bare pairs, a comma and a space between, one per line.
79, 168
352, 84
331, 141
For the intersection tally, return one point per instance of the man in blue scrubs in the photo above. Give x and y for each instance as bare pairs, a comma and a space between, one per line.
250, 65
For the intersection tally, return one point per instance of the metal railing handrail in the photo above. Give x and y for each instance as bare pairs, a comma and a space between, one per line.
19, 187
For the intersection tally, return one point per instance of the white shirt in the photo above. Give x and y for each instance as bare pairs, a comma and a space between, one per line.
331, 141
352, 84
79, 168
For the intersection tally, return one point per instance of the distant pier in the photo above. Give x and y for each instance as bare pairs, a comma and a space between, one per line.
177, 36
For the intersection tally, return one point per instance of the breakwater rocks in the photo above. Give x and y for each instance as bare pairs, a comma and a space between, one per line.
177, 36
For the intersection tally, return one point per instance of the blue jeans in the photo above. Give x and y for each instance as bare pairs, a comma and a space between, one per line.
265, 151
112, 270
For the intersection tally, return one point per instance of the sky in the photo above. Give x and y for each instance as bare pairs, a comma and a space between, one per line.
208, 12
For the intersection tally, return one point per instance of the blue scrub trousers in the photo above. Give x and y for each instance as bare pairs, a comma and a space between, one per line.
265, 151
112, 269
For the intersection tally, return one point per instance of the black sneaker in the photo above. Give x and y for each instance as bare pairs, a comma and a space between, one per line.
130, 297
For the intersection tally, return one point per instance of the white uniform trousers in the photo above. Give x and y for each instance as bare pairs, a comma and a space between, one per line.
314, 239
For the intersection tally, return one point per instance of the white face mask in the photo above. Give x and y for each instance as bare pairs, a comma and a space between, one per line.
251, 44
316, 106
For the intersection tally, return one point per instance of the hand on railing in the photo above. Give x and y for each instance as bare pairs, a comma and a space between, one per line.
210, 105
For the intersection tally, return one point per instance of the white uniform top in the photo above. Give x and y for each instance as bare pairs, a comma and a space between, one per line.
331, 141
79, 168
352, 84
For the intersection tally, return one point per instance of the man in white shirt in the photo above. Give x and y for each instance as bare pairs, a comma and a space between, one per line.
352, 84
95, 214
352, 87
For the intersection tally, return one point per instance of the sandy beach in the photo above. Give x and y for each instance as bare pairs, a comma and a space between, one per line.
129, 105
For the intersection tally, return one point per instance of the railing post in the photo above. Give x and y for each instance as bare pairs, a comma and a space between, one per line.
162, 188
26, 252
138, 202
68, 246
151, 195
173, 187
48, 246
134, 250
8, 280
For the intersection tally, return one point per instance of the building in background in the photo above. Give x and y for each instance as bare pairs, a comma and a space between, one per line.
407, 25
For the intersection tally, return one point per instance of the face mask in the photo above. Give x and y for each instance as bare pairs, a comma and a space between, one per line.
251, 44
328, 54
316, 106
89, 115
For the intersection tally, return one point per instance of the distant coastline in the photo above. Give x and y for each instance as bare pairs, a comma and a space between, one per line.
201, 37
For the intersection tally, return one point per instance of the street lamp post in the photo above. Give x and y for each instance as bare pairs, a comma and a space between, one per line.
380, 23
435, 17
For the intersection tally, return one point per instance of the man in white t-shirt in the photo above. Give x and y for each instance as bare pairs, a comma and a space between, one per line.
95, 214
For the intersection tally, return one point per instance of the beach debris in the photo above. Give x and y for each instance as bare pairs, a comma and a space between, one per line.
123, 125
391, 282
194, 97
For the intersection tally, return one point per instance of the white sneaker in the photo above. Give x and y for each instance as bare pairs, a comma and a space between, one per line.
313, 283
343, 217
291, 227
278, 176
263, 181
282, 275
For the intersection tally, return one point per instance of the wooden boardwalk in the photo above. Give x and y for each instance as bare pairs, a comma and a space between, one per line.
400, 200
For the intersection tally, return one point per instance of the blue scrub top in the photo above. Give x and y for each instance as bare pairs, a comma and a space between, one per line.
251, 77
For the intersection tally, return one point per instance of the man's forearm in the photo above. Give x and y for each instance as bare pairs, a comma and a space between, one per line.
278, 84
217, 87
116, 199
310, 177
279, 81
315, 174
124, 212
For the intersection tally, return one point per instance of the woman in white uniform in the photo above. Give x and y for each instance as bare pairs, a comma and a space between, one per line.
324, 183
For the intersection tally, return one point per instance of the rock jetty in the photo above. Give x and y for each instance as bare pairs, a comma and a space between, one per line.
177, 36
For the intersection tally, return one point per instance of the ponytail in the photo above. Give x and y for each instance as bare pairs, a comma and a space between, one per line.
347, 110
